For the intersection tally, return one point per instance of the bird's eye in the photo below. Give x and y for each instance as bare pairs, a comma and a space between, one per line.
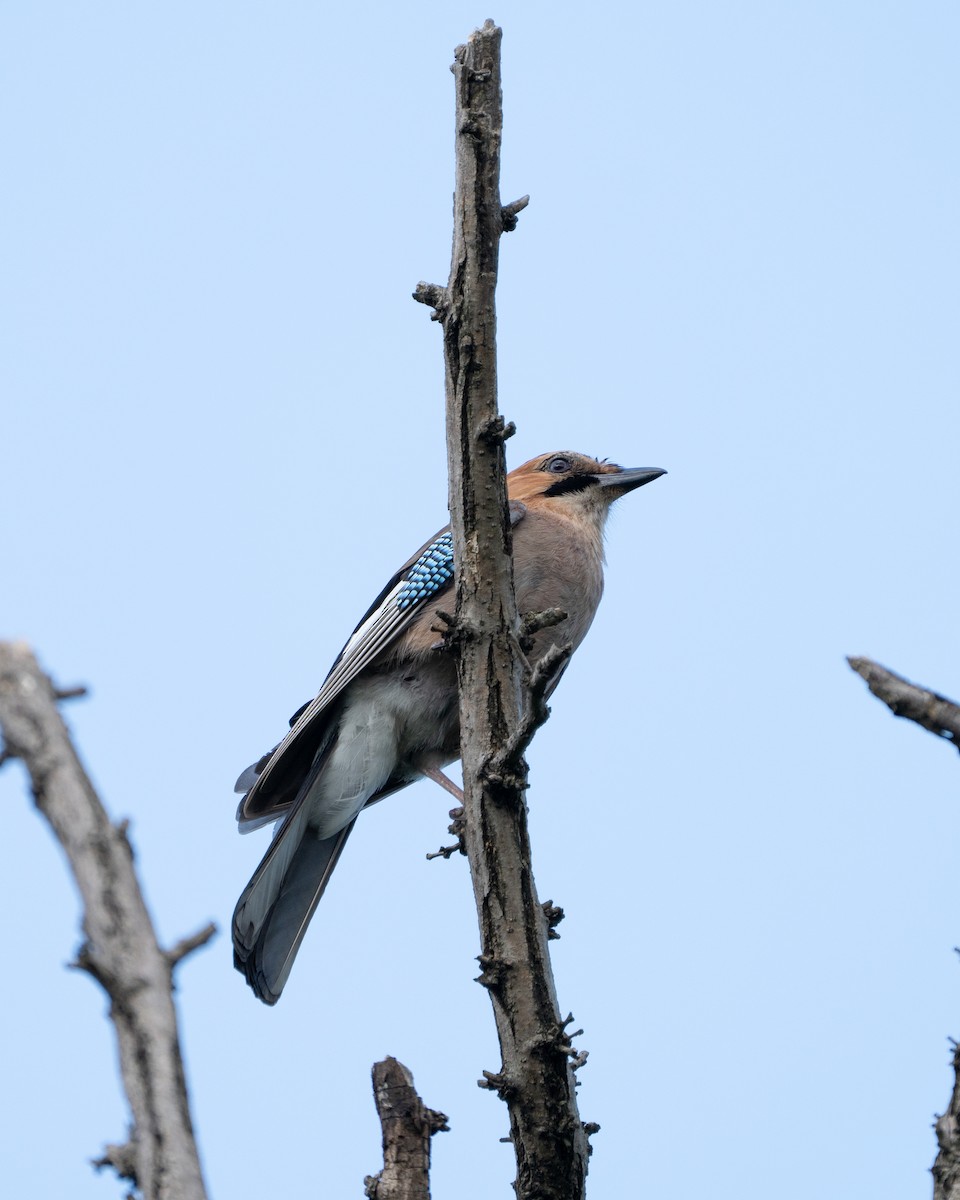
558, 465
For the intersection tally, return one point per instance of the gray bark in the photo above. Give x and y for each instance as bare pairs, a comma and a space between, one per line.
121, 950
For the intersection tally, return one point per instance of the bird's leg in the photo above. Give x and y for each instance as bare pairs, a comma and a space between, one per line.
448, 785
456, 814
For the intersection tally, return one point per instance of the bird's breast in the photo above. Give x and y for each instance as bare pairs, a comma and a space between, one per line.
558, 563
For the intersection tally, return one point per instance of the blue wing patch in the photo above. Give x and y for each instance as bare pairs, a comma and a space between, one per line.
432, 571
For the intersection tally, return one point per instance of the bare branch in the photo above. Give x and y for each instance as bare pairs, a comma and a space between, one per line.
499, 710
904, 699
121, 949
408, 1125
940, 716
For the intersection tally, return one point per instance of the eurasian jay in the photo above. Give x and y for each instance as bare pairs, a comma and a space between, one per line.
387, 713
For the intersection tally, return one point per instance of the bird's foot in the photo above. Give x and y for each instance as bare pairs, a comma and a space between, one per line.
455, 827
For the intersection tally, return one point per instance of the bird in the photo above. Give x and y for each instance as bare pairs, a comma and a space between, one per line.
387, 713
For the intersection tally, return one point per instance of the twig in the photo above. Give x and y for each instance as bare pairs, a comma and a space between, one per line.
904, 699
178, 952
509, 213
121, 949
407, 1125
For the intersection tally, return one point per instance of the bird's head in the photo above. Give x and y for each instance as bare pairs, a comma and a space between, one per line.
576, 483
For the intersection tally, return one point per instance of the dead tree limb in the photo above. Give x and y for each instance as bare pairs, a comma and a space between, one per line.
408, 1125
904, 699
499, 705
120, 950
942, 717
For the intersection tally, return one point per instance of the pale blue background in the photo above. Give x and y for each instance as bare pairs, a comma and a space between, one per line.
222, 430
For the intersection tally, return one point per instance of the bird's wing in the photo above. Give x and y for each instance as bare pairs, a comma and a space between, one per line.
424, 576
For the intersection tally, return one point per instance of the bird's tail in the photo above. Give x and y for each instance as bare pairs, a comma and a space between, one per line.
275, 908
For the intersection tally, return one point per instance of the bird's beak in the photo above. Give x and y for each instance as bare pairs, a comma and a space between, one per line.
627, 479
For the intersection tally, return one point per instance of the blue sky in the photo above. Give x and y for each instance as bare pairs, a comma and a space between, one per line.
223, 430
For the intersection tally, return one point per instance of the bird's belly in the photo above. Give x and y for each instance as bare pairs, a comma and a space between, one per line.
390, 723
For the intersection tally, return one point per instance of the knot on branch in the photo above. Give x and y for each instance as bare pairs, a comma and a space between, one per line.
495, 431
435, 1121
946, 1127
121, 990
121, 987
86, 961
122, 829
554, 915
475, 129
498, 1082
492, 971
122, 1159
505, 778
435, 297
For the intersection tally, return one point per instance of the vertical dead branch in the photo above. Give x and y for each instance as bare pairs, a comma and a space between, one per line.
536, 1078
121, 949
408, 1125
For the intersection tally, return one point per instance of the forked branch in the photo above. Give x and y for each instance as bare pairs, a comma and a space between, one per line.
121, 950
